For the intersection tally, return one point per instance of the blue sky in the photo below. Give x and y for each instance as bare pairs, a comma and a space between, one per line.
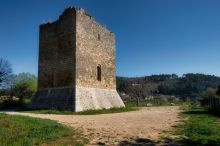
153, 36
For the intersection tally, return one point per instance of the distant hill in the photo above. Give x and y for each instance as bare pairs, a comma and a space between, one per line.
189, 86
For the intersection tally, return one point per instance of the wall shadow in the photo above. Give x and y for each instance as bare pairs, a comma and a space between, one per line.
138, 142
168, 142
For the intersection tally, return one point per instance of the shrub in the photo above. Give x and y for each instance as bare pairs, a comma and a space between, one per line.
25, 86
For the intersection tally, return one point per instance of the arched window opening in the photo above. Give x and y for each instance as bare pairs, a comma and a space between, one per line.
99, 73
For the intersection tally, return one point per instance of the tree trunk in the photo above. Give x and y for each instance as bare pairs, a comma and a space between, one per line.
137, 99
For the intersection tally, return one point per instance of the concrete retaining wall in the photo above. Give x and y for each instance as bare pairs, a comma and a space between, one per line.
76, 99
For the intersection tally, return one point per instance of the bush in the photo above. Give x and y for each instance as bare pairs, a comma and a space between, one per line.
12, 104
25, 86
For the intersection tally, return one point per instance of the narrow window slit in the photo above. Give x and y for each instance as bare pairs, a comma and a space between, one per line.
99, 73
99, 38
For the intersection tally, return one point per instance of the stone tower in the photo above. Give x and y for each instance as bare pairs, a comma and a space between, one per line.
76, 67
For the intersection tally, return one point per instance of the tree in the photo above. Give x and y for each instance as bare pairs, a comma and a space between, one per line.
209, 93
25, 86
218, 91
123, 85
208, 97
5, 71
137, 93
187, 87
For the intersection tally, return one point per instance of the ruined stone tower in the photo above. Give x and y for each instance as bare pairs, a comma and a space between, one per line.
76, 64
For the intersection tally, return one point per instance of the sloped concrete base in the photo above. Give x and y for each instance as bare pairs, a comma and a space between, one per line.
76, 99
54, 98
95, 98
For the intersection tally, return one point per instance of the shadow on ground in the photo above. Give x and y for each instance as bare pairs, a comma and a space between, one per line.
196, 112
164, 142
138, 142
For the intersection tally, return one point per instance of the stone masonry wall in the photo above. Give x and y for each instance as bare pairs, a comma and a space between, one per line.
71, 48
57, 52
95, 45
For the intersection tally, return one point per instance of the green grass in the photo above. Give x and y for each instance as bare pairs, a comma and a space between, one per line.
201, 128
26, 131
87, 112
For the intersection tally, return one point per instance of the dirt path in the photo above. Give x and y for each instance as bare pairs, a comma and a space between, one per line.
111, 129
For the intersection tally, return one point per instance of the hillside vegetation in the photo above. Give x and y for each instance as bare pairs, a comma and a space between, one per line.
187, 87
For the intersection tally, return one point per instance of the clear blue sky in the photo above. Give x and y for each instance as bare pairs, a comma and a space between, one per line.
153, 36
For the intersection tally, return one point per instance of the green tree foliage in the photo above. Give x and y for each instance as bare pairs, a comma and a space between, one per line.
189, 86
137, 92
218, 91
123, 84
209, 93
25, 86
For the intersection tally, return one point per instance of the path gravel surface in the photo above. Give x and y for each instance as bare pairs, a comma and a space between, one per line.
112, 129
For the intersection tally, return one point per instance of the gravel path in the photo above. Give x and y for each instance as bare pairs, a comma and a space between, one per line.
111, 129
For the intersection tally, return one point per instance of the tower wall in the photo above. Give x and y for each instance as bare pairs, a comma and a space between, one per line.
57, 52
95, 46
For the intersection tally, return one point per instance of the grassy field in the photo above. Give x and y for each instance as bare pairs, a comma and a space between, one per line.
26, 131
199, 128
88, 112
